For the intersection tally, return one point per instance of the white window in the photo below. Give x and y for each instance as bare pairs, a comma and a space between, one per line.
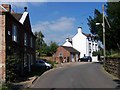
9, 32
25, 39
25, 60
14, 33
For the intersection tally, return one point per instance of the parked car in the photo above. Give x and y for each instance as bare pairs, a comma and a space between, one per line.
43, 64
86, 59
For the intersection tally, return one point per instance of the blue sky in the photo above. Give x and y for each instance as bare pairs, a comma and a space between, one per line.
59, 20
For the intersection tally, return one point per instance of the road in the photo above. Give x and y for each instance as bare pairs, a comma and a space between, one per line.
78, 75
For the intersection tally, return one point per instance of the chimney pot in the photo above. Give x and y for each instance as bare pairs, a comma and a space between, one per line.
25, 9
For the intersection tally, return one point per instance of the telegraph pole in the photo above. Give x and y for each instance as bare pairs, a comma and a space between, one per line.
103, 24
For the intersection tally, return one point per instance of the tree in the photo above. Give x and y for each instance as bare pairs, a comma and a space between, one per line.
39, 40
51, 49
112, 34
113, 13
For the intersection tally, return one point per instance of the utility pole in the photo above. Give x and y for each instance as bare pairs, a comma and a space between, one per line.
103, 24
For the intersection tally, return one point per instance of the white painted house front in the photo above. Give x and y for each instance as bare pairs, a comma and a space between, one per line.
84, 43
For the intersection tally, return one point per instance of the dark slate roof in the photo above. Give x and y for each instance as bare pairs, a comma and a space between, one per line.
70, 49
17, 15
88, 35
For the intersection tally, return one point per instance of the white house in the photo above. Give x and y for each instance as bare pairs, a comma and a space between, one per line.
84, 43
67, 43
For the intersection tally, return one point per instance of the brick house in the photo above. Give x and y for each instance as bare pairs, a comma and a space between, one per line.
16, 35
66, 54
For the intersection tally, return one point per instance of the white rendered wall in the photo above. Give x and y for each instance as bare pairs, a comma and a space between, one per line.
79, 42
67, 43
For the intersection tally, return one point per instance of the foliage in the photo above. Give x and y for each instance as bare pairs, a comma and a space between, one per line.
39, 39
94, 53
6, 87
111, 34
12, 66
52, 48
42, 47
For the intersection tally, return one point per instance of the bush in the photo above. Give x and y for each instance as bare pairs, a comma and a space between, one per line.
12, 68
94, 53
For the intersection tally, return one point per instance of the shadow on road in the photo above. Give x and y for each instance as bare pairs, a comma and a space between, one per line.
98, 62
117, 81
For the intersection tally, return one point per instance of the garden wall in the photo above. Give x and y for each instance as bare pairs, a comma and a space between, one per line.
112, 66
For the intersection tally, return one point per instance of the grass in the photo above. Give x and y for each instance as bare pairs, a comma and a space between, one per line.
5, 87
116, 55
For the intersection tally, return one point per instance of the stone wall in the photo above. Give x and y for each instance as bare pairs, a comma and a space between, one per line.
112, 66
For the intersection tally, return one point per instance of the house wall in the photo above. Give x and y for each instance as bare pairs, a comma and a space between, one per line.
92, 46
79, 42
64, 52
83, 45
6, 22
67, 43
2, 48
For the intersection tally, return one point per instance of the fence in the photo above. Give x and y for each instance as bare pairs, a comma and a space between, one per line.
112, 66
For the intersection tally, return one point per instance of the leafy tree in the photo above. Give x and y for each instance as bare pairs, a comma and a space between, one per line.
39, 40
112, 34
113, 13
42, 47
53, 47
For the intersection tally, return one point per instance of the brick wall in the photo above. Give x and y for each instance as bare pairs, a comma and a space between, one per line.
63, 51
2, 47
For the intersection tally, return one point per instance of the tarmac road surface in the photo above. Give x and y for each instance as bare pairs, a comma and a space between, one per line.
76, 75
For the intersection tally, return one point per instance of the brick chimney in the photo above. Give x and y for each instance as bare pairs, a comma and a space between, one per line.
7, 7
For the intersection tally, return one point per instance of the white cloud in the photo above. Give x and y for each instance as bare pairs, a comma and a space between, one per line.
61, 24
17, 5
56, 30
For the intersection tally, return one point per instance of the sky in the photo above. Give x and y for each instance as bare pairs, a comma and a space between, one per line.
58, 20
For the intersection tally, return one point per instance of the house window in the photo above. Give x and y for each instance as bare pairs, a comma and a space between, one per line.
25, 60
14, 33
96, 47
31, 59
9, 32
89, 46
31, 42
25, 39
61, 54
